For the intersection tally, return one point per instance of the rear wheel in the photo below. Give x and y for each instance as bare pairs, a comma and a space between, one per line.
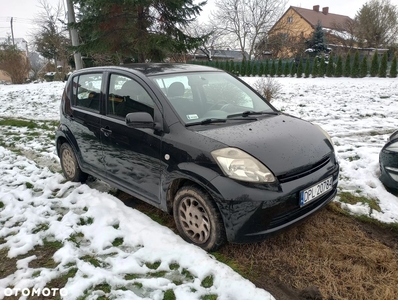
198, 219
69, 164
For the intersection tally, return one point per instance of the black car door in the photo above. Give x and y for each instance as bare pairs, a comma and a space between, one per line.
85, 119
131, 155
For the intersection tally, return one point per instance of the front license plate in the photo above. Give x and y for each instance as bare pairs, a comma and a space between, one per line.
316, 191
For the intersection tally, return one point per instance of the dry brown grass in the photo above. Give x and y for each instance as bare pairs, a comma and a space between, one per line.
329, 251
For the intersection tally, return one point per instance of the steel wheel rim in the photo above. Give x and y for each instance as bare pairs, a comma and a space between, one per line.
194, 220
68, 162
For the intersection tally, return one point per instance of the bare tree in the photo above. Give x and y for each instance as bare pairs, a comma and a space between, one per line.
50, 39
377, 23
343, 34
246, 21
212, 37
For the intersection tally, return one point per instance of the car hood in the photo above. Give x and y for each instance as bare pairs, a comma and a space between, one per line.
283, 143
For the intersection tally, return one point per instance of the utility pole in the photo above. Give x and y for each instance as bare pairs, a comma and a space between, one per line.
12, 32
73, 35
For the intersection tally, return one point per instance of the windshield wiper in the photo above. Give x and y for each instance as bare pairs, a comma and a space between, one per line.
217, 120
252, 113
207, 121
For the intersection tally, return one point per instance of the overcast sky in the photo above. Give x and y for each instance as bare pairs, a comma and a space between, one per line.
24, 11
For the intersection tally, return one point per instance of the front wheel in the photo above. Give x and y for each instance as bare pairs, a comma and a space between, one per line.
198, 219
69, 164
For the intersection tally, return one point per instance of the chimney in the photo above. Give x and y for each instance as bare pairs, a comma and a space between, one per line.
316, 8
325, 10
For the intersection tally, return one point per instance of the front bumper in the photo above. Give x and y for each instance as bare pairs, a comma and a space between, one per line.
252, 212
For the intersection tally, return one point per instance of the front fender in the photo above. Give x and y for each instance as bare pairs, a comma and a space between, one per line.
189, 171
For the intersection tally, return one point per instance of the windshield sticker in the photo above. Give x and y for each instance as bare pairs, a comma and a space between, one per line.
192, 117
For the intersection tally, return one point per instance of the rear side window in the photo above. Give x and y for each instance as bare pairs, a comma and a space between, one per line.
87, 91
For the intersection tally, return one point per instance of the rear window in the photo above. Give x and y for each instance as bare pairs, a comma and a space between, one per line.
87, 91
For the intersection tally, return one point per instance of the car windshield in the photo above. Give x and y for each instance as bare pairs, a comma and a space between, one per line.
199, 96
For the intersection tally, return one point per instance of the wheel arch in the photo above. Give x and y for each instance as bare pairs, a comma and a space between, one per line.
187, 180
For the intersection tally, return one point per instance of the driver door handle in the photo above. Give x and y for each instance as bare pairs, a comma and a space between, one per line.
106, 131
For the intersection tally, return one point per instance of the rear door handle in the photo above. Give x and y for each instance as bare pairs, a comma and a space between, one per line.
106, 131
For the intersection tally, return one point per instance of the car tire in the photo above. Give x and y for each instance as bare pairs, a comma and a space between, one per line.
69, 164
197, 218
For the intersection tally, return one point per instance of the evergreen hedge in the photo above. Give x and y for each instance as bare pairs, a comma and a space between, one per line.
374, 68
393, 70
383, 65
355, 70
347, 66
364, 67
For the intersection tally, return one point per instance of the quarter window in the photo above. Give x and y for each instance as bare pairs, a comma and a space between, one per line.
87, 91
126, 95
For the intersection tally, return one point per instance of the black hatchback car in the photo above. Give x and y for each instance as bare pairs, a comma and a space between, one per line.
198, 143
388, 160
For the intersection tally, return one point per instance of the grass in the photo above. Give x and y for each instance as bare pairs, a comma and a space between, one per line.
349, 198
207, 282
117, 242
18, 123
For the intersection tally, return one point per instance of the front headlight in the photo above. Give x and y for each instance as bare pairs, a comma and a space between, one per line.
239, 165
393, 147
393, 136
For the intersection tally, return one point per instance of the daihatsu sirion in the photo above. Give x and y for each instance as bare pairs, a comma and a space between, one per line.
198, 143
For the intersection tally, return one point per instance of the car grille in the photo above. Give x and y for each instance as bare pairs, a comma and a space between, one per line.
304, 172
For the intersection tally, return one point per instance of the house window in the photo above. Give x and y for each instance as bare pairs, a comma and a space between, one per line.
290, 19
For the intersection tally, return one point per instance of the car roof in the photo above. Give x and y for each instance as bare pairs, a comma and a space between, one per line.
151, 69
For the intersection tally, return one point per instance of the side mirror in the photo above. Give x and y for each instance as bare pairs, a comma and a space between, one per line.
139, 120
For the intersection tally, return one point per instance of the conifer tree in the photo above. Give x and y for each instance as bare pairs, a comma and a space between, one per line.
261, 69
322, 67
279, 70
293, 69
267, 68
383, 65
355, 70
227, 66
347, 66
374, 67
232, 67
339, 67
300, 69
307, 68
255, 69
243, 68
364, 67
286, 69
273, 68
217, 65
315, 67
330, 67
393, 70
248, 68
143, 30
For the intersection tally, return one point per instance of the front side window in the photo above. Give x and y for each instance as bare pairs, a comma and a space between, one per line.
200, 95
87, 91
125, 95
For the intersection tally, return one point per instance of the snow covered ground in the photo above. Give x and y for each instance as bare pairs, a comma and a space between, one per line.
125, 250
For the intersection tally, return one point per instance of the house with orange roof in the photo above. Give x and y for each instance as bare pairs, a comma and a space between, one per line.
287, 37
